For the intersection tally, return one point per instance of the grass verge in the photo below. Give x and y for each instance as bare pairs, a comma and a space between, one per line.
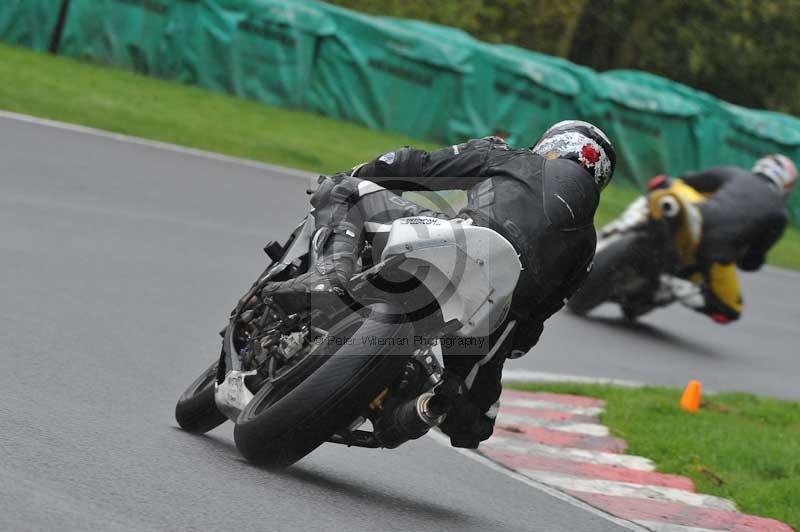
63, 89
739, 446
116, 100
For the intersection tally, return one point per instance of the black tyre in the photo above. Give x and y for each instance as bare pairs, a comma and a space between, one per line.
281, 425
608, 268
196, 410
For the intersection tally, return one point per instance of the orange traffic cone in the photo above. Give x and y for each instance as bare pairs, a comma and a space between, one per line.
690, 400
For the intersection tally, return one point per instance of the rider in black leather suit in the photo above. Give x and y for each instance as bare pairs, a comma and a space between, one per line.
541, 199
746, 213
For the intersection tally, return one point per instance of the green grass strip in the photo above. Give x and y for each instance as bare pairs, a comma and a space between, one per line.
738, 446
116, 100
64, 89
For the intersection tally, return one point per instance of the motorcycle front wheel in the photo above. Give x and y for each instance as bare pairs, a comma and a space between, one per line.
363, 354
196, 410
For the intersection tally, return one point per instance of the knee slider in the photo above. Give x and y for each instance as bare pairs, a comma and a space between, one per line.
346, 228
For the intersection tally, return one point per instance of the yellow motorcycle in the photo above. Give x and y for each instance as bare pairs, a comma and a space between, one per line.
657, 234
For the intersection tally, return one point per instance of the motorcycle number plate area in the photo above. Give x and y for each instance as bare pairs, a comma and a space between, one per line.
471, 271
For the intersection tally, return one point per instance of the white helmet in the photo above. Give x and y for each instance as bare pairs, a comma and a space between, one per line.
779, 169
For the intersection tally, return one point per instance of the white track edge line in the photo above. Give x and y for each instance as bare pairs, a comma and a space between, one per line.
617, 488
522, 375
658, 526
553, 492
627, 461
157, 144
591, 411
587, 429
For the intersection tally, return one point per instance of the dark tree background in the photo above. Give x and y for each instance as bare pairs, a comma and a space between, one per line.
743, 51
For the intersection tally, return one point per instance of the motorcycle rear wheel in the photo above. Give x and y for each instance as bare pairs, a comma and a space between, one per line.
279, 426
196, 410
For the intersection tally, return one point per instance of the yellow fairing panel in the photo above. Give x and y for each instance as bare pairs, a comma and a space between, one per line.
687, 237
724, 284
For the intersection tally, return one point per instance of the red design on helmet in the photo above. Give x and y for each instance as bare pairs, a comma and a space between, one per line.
590, 154
791, 170
779, 169
582, 143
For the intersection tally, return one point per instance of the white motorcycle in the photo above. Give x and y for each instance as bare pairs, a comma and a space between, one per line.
366, 372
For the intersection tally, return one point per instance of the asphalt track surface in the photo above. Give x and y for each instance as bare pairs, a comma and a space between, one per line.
118, 264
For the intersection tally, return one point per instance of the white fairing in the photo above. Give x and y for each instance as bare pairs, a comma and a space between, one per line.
635, 215
472, 271
233, 395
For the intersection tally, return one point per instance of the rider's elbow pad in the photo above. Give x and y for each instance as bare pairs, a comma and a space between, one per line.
405, 162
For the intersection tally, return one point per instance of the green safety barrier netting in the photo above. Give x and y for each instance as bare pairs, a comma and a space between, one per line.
708, 130
28, 22
273, 50
464, 120
259, 49
191, 58
730, 134
390, 74
124, 33
653, 131
518, 93
662, 84
751, 134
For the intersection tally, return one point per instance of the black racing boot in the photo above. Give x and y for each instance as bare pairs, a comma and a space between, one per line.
465, 423
324, 286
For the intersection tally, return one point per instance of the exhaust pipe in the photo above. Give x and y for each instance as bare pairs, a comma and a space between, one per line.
413, 419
